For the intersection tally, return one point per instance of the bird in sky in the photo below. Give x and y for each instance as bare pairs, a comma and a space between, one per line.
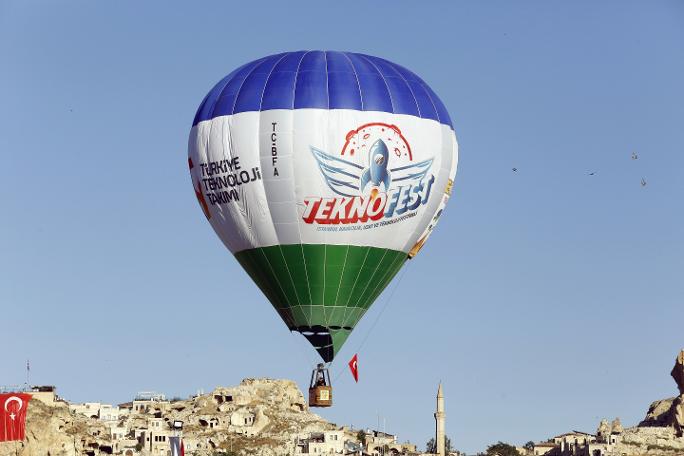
634, 156
592, 173
643, 182
515, 170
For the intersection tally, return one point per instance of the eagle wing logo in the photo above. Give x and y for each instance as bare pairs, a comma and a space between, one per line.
347, 178
342, 176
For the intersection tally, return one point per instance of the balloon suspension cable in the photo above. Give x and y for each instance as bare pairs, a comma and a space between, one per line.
377, 318
306, 354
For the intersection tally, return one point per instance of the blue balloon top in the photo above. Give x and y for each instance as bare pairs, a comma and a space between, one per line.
324, 80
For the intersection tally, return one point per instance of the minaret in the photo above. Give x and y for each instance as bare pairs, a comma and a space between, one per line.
440, 418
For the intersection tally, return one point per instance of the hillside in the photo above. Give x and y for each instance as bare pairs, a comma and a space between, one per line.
259, 416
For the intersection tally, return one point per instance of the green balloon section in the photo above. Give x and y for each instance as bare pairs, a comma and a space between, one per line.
322, 291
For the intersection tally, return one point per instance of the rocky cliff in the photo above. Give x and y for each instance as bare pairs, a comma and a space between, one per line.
54, 430
259, 416
669, 412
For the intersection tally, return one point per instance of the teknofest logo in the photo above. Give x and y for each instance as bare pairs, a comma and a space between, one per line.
374, 178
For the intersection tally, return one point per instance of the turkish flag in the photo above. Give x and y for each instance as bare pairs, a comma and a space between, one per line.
354, 367
13, 408
177, 447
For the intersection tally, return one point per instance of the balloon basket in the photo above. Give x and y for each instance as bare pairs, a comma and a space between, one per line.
320, 388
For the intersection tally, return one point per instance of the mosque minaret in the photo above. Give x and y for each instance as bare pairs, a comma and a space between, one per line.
440, 418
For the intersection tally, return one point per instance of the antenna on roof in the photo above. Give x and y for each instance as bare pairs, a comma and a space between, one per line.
28, 371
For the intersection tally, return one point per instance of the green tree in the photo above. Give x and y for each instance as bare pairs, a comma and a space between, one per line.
529, 445
431, 445
361, 437
502, 449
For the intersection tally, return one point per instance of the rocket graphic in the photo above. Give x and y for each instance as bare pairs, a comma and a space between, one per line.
377, 171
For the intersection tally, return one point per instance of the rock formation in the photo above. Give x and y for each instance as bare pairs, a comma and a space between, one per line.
259, 416
603, 430
55, 431
678, 372
616, 427
669, 412
678, 404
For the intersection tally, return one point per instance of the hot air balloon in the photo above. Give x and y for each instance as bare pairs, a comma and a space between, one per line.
322, 172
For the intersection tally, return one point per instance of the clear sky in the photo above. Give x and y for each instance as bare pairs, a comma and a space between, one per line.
546, 300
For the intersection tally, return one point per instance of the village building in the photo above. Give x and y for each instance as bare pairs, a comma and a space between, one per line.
343, 441
242, 418
89, 409
577, 443
155, 439
149, 402
542, 448
573, 443
607, 438
109, 413
328, 442
46, 394
96, 410
122, 441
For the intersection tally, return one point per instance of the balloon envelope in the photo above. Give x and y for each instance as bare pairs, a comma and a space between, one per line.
322, 172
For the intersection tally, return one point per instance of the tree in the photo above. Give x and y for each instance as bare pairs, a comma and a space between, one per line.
431, 445
361, 437
529, 445
502, 449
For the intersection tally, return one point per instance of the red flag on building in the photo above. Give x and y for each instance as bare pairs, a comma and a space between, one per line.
354, 367
13, 408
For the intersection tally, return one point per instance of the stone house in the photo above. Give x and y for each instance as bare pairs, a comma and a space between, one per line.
149, 402
573, 443
155, 439
327, 442
542, 448
90, 409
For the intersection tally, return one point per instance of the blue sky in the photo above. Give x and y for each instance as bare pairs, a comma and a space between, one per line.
546, 300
